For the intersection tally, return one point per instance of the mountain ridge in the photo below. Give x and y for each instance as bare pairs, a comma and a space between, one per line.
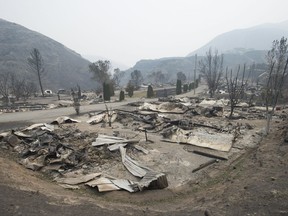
64, 67
247, 38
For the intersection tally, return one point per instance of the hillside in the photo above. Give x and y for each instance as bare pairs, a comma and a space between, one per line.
241, 40
171, 66
64, 67
238, 46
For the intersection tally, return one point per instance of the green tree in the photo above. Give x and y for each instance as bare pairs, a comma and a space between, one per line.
192, 85
112, 87
100, 72
130, 88
36, 65
136, 79
196, 83
178, 87
185, 87
121, 95
106, 91
150, 92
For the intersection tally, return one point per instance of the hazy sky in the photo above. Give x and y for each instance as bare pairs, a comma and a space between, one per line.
129, 30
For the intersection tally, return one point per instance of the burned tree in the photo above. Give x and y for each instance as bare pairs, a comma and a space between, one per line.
277, 59
4, 86
136, 79
17, 86
117, 77
235, 87
181, 76
21, 87
76, 99
109, 114
157, 77
36, 65
211, 67
28, 89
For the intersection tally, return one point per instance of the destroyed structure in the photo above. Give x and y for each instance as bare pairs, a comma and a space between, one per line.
148, 145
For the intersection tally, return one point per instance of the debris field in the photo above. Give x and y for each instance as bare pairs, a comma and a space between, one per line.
143, 146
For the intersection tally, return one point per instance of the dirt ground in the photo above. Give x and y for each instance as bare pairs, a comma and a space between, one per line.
253, 184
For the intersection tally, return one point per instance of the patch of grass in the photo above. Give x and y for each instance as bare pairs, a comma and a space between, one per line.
139, 94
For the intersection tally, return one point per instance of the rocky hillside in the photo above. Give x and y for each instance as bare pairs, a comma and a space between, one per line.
64, 67
242, 40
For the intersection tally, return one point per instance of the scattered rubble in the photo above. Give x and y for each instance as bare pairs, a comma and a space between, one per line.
199, 137
64, 120
186, 136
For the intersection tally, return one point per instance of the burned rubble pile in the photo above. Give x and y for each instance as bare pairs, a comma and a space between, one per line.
66, 154
199, 124
148, 158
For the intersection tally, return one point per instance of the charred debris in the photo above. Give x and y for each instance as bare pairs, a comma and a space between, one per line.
75, 158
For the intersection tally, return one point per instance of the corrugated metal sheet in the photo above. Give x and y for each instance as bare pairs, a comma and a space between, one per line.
133, 166
115, 147
140, 148
103, 184
78, 180
103, 139
125, 184
153, 180
96, 119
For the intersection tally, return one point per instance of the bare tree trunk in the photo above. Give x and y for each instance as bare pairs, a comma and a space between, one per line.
40, 83
211, 93
231, 110
268, 117
36, 64
195, 73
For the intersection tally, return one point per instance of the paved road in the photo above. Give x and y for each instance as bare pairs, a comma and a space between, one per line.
22, 118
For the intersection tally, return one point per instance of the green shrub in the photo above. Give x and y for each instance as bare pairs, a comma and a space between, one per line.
150, 92
185, 87
121, 96
178, 87
106, 91
130, 88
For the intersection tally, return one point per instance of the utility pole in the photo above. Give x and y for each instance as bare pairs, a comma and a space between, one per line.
195, 73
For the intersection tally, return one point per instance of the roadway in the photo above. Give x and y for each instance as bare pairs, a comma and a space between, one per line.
11, 120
